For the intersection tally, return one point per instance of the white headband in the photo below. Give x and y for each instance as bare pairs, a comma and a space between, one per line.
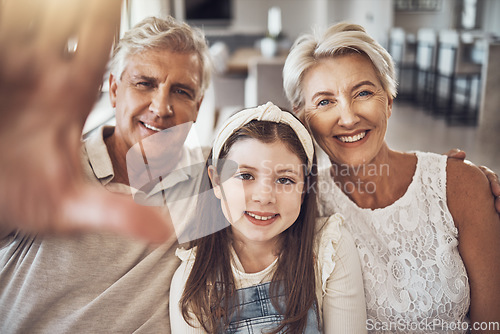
266, 112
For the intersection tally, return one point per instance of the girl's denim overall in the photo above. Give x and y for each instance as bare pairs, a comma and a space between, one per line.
256, 313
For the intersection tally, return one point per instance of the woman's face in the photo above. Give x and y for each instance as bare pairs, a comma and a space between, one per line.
346, 108
263, 197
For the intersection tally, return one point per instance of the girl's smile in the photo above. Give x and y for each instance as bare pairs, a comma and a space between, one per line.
263, 198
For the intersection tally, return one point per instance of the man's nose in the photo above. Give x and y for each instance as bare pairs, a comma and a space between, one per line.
160, 102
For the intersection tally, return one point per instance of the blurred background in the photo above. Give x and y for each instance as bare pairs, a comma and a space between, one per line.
447, 54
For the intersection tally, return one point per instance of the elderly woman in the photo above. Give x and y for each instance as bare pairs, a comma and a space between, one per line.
425, 226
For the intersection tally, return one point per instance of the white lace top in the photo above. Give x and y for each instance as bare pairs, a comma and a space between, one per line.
413, 274
339, 283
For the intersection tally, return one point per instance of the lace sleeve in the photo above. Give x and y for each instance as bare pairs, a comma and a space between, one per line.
328, 241
342, 295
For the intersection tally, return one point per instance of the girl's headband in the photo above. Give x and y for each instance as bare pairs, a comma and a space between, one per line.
266, 112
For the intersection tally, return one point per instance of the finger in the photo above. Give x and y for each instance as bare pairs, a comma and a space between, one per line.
493, 178
456, 154
94, 209
96, 34
19, 20
58, 25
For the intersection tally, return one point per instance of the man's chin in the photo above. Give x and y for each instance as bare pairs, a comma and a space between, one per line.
157, 155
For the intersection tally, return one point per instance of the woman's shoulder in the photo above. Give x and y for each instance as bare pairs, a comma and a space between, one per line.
466, 187
465, 179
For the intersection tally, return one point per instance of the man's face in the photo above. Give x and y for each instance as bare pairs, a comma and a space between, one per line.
158, 89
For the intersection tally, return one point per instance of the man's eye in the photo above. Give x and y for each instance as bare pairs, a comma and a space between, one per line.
183, 92
285, 180
144, 84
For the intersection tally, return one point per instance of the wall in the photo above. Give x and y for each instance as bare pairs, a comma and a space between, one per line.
438, 20
489, 14
139, 9
300, 16
376, 16
297, 16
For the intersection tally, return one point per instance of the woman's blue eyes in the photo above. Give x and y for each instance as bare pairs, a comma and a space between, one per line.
326, 102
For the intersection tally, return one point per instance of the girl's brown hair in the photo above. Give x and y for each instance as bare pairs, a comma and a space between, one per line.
209, 291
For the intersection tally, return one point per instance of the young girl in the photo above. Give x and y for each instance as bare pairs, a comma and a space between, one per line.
275, 268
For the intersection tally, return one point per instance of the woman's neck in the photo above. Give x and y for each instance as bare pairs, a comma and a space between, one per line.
377, 183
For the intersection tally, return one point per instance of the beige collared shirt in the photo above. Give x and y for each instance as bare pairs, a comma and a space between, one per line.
177, 192
95, 282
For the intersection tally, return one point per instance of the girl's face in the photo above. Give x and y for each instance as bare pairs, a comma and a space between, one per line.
347, 108
263, 197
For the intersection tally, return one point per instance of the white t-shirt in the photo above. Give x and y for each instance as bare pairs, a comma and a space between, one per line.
339, 282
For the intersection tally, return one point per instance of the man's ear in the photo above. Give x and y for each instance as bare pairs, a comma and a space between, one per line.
113, 87
198, 105
215, 179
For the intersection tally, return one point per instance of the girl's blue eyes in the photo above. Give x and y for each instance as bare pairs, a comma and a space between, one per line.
285, 180
281, 180
244, 176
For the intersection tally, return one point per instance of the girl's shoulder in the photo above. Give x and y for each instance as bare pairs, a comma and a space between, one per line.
329, 232
329, 227
186, 255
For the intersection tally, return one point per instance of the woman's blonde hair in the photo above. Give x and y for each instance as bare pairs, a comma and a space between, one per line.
340, 39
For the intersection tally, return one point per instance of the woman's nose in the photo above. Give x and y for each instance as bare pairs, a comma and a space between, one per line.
159, 102
348, 116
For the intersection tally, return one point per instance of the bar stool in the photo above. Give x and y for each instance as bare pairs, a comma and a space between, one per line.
402, 48
425, 67
455, 76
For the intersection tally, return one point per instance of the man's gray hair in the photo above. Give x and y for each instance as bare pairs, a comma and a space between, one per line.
154, 33
340, 39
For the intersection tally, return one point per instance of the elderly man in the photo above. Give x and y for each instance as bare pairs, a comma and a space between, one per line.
99, 281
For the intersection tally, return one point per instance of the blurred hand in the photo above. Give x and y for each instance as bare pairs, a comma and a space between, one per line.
492, 177
456, 153
494, 184
47, 89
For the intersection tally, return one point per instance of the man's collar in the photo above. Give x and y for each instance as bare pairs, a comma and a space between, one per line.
189, 166
190, 163
98, 155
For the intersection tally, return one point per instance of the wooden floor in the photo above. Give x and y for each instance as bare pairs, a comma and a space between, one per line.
412, 128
